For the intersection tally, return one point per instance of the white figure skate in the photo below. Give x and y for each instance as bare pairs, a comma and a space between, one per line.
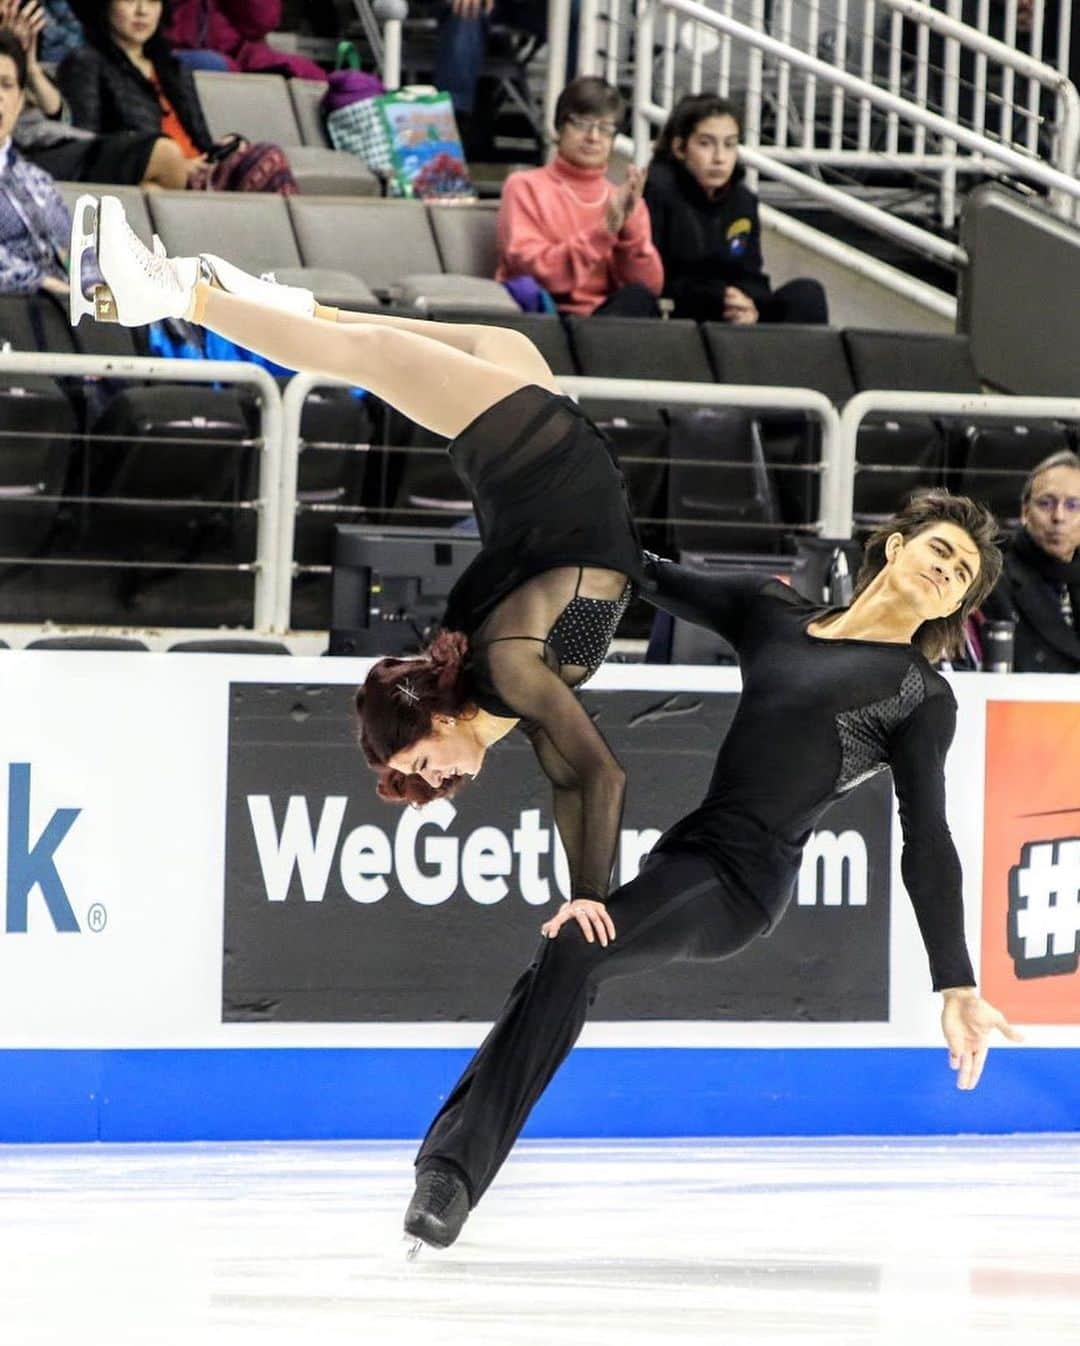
143, 286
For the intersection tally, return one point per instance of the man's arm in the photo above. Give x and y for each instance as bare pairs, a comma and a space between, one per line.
717, 602
932, 875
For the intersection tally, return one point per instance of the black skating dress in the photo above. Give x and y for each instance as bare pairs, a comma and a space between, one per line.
541, 602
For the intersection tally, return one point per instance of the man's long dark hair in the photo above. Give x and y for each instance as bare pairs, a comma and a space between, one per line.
944, 635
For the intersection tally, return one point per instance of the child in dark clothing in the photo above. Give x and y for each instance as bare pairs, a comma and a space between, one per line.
705, 224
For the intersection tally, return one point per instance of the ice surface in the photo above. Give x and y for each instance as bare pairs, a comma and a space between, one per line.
913, 1242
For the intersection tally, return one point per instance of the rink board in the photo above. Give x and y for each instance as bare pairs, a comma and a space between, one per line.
168, 972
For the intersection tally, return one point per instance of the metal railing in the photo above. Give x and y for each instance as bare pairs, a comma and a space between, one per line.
269, 443
799, 401
958, 406
828, 86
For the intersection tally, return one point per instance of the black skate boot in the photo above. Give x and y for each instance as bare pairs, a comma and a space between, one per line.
440, 1206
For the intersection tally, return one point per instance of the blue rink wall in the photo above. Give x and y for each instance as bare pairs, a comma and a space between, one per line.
359, 1093
123, 1016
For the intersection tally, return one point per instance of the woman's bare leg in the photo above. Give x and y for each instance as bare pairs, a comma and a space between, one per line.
498, 345
435, 384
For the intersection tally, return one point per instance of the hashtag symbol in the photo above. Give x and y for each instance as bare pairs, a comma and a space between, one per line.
1044, 908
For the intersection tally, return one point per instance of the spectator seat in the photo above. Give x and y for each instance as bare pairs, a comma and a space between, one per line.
254, 231
895, 454
307, 96
88, 642
465, 237
641, 348
229, 645
261, 108
785, 356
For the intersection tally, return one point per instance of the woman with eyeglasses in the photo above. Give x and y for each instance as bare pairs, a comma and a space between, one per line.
584, 241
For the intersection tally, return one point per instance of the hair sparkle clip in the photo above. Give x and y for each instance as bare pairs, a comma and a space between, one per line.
404, 689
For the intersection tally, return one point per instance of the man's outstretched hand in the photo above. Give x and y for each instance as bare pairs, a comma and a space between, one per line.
967, 1020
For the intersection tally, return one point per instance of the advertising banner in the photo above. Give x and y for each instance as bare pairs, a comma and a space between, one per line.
342, 908
1031, 861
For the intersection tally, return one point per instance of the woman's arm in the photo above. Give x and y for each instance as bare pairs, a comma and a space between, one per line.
588, 782
635, 260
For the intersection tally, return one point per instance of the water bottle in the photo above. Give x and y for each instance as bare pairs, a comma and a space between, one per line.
838, 585
998, 639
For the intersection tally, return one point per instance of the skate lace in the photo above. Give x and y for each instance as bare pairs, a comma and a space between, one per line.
156, 265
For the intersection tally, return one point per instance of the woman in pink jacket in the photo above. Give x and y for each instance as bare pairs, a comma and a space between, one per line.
586, 241
237, 29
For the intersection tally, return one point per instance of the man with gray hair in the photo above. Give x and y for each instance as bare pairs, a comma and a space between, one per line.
1039, 588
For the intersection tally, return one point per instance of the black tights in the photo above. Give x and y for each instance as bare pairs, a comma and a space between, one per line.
677, 908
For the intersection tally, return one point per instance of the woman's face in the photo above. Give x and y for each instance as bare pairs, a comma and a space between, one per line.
585, 141
710, 152
933, 571
134, 21
451, 749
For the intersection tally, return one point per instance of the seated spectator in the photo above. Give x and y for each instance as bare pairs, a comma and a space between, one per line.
705, 224
44, 133
235, 30
126, 78
1039, 588
35, 226
464, 30
586, 241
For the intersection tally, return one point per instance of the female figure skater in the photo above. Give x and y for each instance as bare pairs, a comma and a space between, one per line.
828, 698
533, 615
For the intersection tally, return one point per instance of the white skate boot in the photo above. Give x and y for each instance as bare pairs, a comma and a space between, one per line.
259, 289
140, 286
143, 286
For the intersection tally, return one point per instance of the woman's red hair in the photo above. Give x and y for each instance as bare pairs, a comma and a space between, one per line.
394, 710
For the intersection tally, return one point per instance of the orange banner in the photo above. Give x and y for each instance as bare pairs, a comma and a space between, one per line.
1031, 861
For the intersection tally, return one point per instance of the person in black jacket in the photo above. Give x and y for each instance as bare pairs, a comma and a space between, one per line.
126, 78
705, 224
1039, 588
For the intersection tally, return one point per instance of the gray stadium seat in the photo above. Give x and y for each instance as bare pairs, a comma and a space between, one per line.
260, 107
465, 237
307, 96
256, 106
379, 240
132, 197
433, 293
88, 642
229, 645
251, 230
340, 288
391, 244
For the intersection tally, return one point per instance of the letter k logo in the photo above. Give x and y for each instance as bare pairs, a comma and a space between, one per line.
27, 866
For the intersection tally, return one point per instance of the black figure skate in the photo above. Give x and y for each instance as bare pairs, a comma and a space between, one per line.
440, 1206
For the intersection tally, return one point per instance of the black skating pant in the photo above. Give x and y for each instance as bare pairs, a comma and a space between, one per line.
677, 908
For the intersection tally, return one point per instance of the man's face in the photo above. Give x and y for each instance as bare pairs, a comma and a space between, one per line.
1052, 515
11, 97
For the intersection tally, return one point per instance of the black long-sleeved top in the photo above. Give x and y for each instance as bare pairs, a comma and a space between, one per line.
816, 716
706, 243
107, 92
541, 601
